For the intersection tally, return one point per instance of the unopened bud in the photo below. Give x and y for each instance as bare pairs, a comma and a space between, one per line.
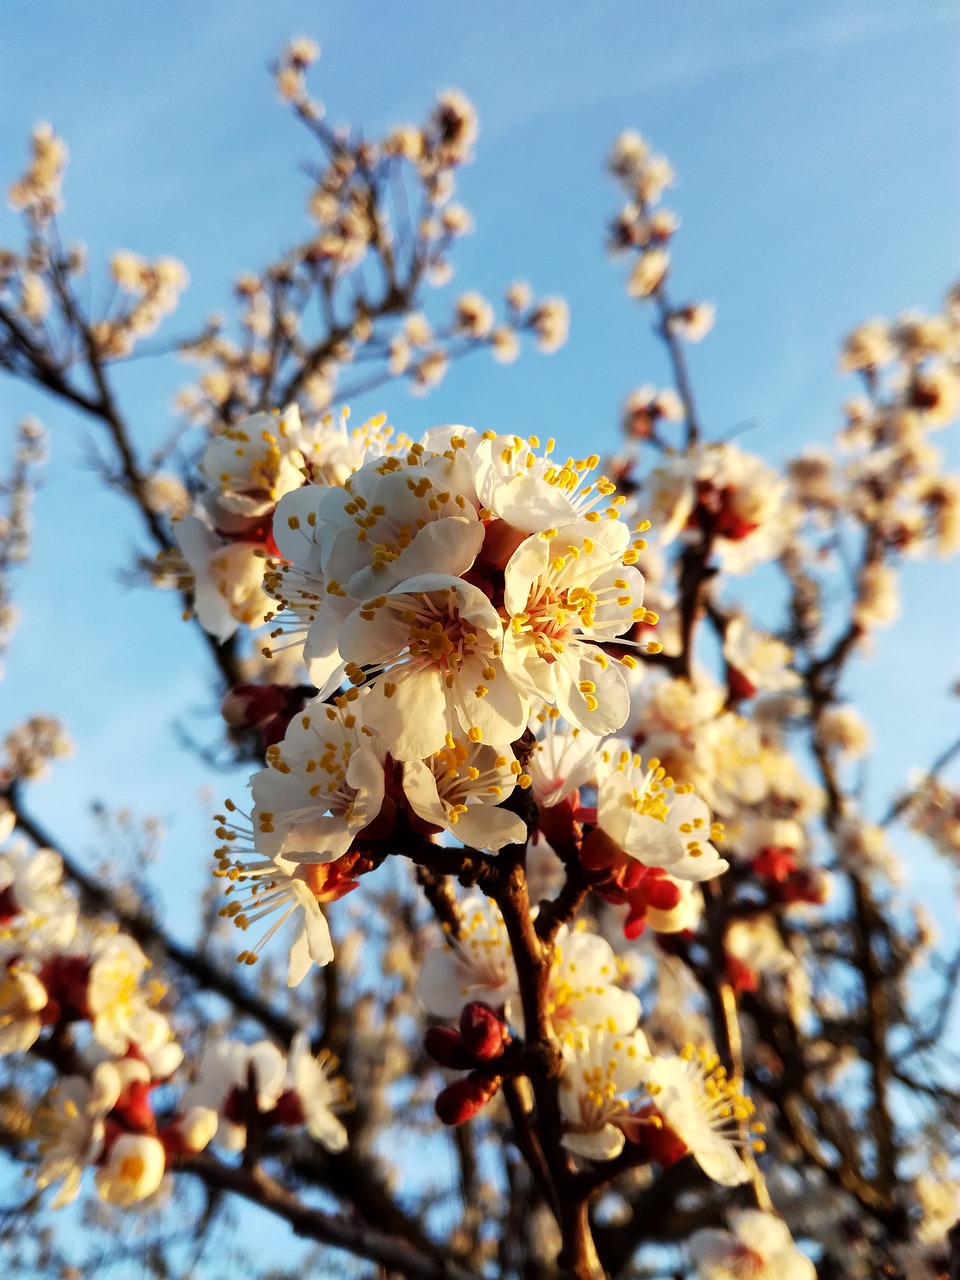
636, 921
461, 1101
773, 863
134, 1107
446, 1046
484, 1034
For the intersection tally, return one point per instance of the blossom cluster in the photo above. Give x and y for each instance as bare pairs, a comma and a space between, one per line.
81, 991
464, 607
614, 1089
443, 594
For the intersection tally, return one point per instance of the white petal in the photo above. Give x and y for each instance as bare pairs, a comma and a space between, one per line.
765, 1233
579, 663
529, 562
412, 720
420, 788
719, 1160
446, 546
487, 827
324, 1126
603, 1145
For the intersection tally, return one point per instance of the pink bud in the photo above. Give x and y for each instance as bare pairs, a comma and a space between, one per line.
484, 1034
446, 1046
461, 1101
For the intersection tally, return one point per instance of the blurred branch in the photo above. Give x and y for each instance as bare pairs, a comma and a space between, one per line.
362, 1241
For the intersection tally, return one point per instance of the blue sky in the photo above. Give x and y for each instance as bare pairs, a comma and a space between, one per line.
816, 147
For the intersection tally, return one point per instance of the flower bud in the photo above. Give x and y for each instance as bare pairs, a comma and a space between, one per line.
636, 921
461, 1101
165, 1060
446, 1046
739, 685
484, 1034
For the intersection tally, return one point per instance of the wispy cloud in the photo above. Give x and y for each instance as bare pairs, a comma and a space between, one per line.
682, 54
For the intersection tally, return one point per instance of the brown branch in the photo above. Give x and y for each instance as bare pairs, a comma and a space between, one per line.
533, 959
45, 372
678, 359
41, 368
360, 1240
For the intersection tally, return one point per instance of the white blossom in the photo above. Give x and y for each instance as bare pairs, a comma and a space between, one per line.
659, 823
758, 1246
564, 589
600, 1068
71, 1129
477, 964
322, 1095
460, 788
321, 785
704, 1109
133, 1170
